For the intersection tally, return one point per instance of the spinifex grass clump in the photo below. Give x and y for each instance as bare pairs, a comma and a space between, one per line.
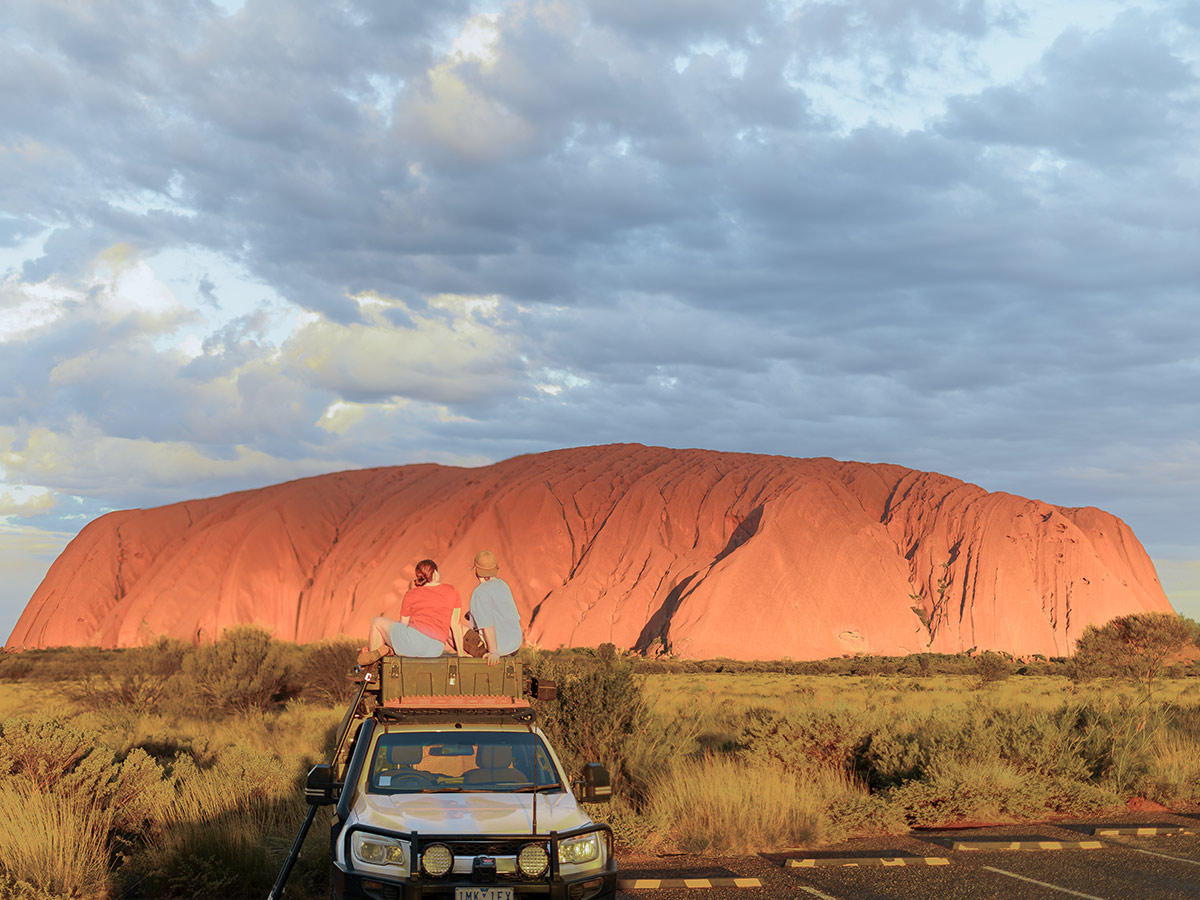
234, 806
721, 804
65, 800
217, 829
53, 845
1174, 776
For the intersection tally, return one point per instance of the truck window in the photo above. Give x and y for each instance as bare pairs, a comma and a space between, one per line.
411, 762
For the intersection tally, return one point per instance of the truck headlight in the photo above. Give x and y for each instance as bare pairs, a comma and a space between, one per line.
579, 850
375, 850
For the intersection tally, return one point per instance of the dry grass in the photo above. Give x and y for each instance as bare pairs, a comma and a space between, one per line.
942, 750
53, 845
24, 698
720, 804
1176, 770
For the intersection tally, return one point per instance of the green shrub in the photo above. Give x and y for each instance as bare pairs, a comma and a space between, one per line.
243, 670
321, 671
13, 666
139, 677
41, 750
803, 740
955, 791
991, 667
50, 757
600, 715
225, 856
856, 812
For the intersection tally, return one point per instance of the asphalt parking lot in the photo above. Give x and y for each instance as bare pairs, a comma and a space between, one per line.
1030, 862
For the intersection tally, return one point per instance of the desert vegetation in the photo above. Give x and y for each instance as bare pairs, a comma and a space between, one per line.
173, 771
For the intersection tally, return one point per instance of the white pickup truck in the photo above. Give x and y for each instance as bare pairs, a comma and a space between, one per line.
447, 789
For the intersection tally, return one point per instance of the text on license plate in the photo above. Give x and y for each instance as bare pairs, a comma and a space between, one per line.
483, 893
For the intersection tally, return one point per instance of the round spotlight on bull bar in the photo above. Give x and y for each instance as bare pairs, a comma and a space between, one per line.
533, 860
437, 860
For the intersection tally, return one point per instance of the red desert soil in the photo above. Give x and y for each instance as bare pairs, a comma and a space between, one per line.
708, 554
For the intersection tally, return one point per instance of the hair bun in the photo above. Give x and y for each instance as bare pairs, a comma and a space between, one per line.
426, 569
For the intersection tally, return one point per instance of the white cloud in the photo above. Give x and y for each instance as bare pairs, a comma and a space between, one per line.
80, 459
478, 39
22, 501
456, 351
124, 285
118, 285
27, 308
341, 416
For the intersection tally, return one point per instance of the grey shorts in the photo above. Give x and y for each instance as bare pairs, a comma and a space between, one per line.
407, 641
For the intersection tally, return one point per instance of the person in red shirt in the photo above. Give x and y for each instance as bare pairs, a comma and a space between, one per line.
430, 621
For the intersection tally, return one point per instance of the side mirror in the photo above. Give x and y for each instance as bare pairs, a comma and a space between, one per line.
320, 788
597, 786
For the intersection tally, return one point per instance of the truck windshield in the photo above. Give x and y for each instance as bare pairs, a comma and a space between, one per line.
460, 761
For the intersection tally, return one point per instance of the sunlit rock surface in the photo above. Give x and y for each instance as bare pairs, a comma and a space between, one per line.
701, 553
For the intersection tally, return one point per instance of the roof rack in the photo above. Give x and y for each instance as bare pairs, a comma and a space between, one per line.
454, 684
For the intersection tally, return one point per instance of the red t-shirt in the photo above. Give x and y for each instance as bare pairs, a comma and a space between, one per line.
429, 607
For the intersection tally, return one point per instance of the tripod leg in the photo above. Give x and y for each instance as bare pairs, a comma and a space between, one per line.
293, 854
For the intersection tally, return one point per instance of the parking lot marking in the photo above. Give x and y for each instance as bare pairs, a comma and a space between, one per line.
655, 884
816, 893
1143, 831
1183, 859
1045, 884
813, 862
1025, 845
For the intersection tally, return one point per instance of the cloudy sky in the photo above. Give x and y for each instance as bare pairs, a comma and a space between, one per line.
244, 243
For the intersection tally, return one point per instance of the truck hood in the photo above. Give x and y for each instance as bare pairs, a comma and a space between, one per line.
468, 813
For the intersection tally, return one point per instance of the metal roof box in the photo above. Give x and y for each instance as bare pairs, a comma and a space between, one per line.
451, 682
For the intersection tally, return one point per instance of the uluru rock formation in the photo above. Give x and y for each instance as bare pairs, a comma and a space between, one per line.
702, 553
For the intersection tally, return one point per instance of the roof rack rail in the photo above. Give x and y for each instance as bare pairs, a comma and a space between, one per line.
447, 714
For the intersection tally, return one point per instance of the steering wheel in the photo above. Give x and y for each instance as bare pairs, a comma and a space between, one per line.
411, 781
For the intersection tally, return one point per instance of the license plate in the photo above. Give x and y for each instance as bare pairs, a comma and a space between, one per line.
483, 893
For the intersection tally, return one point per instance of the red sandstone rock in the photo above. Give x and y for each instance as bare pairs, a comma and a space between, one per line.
715, 554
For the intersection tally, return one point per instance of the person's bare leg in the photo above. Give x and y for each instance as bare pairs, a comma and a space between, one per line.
378, 645
378, 635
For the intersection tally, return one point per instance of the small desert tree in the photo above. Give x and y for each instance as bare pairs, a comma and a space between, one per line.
243, 670
1138, 646
991, 667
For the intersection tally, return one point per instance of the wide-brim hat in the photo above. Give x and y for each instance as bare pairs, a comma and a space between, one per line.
486, 564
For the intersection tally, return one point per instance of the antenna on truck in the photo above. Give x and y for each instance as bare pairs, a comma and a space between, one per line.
533, 736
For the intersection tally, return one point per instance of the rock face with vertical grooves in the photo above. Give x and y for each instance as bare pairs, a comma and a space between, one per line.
705, 554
